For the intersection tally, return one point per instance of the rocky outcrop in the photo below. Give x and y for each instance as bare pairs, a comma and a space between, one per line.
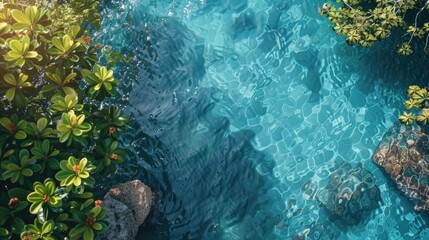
121, 220
349, 193
404, 155
127, 206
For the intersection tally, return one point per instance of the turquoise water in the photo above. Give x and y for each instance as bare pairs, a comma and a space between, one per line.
239, 104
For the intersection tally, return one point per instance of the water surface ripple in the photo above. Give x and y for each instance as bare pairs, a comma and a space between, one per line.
239, 103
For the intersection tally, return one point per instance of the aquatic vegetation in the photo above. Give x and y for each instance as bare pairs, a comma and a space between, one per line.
57, 132
365, 22
114, 56
418, 106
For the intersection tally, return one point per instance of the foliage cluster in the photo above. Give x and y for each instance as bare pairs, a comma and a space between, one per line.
417, 101
74, 12
66, 13
114, 56
364, 22
56, 129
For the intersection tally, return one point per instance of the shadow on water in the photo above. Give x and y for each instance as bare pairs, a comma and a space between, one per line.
381, 64
208, 180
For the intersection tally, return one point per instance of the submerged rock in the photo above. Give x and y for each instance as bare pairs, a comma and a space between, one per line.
127, 206
350, 193
404, 155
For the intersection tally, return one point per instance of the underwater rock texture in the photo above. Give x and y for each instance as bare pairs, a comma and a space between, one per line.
127, 206
350, 193
404, 155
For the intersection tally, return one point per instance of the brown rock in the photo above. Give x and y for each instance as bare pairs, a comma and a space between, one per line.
404, 154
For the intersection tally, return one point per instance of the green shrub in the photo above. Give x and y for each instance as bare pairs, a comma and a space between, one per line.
56, 130
417, 102
365, 22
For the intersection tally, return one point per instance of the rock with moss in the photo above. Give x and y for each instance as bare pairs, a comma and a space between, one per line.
403, 154
349, 194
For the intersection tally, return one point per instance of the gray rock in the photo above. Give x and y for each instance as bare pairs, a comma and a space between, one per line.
122, 225
127, 206
136, 195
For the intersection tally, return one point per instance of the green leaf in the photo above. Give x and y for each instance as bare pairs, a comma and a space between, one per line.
41, 124
96, 211
19, 26
49, 188
79, 217
20, 17
17, 225
69, 91
12, 166
8, 153
21, 206
9, 174
47, 227
31, 54
27, 172
35, 197
35, 207
64, 136
3, 232
4, 215
56, 41
16, 47
88, 234
77, 230
62, 217
18, 192
4, 28
10, 93
20, 135
97, 226
10, 79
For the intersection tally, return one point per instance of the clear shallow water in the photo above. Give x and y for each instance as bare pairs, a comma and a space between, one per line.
238, 104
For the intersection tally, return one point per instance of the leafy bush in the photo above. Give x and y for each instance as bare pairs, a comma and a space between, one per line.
418, 101
56, 129
66, 13
364, 22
